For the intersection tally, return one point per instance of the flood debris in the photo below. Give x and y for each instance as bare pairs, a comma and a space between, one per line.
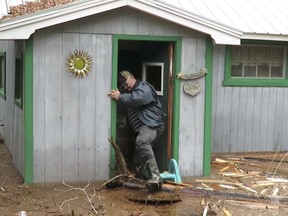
254, 181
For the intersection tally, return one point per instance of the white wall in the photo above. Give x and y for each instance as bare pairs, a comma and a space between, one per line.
10, 114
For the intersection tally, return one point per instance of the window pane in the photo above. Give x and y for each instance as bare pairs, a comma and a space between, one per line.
263, 54
277, 54
250, 53
249, 70
153, 76
237, 54
236, 70
263, 70
276, 70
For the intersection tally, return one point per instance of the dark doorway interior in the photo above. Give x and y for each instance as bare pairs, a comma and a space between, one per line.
153, 56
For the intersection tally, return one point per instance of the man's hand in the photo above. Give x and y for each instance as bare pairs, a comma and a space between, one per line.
114, 94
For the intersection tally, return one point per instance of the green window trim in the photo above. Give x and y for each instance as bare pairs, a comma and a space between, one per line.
252, 82
18, 91
3, 75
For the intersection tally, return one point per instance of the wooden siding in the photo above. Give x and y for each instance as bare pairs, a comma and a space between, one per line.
72, 116
191, 134
11, 114
247, 118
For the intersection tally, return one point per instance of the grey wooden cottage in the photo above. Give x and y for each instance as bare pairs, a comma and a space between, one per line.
57, 124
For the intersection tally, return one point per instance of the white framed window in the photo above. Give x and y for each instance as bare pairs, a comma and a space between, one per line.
153, 72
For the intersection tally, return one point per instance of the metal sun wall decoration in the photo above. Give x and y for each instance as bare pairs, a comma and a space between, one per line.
79, 63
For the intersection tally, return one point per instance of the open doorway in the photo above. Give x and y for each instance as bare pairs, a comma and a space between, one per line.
150, 61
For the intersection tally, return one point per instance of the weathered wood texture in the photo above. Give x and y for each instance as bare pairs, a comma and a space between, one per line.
247, 118
72, 116
10, 114
191, 134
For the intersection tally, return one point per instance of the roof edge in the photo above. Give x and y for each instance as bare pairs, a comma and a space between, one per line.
267, 37
16, 28
23, 27
222, 34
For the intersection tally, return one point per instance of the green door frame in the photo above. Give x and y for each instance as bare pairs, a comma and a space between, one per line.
208, 108
176, 89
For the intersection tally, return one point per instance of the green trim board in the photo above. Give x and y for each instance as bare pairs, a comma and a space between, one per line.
208, 109
253, 82
3, 75
176, 101
28, 111
113, 103
176, 89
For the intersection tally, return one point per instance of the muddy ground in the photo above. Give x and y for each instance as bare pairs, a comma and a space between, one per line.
73, 198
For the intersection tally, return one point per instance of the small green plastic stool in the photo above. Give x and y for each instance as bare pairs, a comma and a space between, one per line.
173, 173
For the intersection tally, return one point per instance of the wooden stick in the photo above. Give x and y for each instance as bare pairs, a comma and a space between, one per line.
120, 158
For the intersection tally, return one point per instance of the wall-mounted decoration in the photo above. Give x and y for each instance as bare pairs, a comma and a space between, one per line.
79, 63
192, 76
192, 87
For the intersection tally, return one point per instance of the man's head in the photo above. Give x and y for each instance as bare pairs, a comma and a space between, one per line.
129, 80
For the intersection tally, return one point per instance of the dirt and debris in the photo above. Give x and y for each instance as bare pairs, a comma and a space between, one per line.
34, 6
240, 184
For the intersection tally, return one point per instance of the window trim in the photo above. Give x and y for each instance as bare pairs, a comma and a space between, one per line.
253, 82
3, 73
144, 74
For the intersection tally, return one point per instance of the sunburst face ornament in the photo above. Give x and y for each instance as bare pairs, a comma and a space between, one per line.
79, 63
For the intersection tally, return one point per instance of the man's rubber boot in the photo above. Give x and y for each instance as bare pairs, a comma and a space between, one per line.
142, 171
155, 181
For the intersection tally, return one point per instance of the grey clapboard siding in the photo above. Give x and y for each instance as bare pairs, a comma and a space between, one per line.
247, 118
72, 116
11, 114
191, 134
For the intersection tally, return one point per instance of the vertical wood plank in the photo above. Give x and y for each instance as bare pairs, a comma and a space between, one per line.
284, 133
277, 132
271, 119
249, 119
219, 99
242, 119
53, 108
39, 108
199, 109
87, 106
256, 120
264, 120
234, 119
103, 105
227, 119
187, 136
70, 115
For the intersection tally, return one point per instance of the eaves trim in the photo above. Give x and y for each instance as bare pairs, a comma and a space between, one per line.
23, 27
266, 37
